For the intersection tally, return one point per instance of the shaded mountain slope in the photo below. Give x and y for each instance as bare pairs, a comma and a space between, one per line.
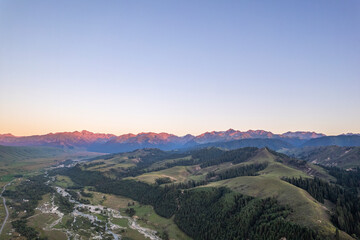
341, 140
343, 157
274, 144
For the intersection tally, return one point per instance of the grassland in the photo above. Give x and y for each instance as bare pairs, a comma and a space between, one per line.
129, 233
324, 174
163, 163
63, 181
177, 174
109, 200
40, 220
116, 163
9, 154
27, 160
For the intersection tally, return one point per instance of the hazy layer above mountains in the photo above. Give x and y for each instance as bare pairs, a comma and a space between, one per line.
227, 139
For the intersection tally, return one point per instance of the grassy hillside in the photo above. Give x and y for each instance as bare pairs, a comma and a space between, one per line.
176, 174
196, 172
306, 210
10, 154
23, 160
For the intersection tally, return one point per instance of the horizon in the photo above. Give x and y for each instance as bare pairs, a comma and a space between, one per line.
180, 135
179, 67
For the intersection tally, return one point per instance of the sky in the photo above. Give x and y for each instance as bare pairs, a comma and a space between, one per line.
181, 67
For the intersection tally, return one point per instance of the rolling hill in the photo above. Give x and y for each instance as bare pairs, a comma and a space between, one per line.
149, 165
23, 159
10, 154
178, 187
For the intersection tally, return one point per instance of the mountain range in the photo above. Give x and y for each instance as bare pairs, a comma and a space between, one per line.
99, 142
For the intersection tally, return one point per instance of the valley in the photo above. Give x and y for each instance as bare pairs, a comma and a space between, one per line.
154, 194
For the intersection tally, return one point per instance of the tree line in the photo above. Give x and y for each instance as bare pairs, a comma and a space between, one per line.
247, 170
349, 179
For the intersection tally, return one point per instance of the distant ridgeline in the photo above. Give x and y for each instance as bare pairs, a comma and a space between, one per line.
202, 213
230, 139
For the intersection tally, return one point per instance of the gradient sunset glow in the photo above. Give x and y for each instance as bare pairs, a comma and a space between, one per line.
179, 66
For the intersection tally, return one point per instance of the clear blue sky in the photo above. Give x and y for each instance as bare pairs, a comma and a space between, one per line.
179, 66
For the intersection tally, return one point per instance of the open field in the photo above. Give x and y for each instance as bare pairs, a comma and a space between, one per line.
103, 165
41, 220
116, 161
161, 164
109, 200
129, 233
63, 181
177, 174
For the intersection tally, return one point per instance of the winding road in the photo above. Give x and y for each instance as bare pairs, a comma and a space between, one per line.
6, 209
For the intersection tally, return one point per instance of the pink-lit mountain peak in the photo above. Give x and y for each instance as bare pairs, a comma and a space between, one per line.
232, 134
302, 135
7, 135
84, 138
